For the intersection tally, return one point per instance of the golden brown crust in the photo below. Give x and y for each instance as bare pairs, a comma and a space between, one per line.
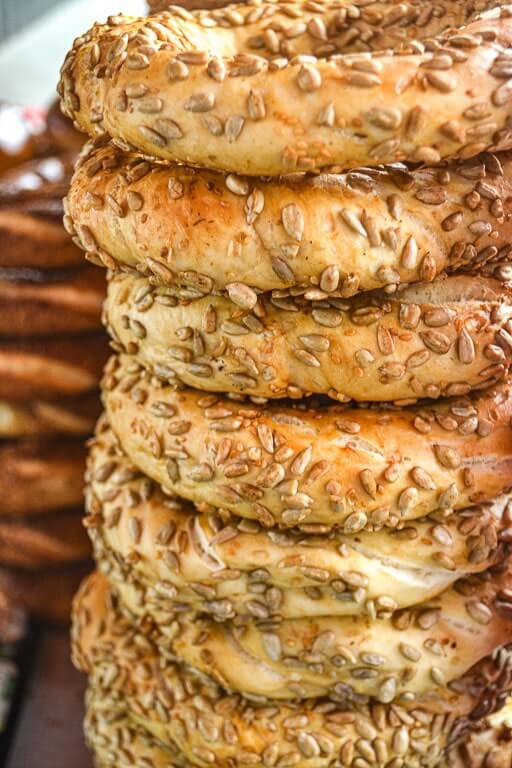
157, 6
74, 415
489, 746
45, 303
34, 242
429, 340
52, 539
51, 366
268, 114
175, 558
37, 476
338, 466
118, 741
48, 595
424, 649
333, 235
188, 713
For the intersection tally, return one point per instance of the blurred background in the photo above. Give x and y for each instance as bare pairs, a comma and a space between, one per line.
50, 303
35, 36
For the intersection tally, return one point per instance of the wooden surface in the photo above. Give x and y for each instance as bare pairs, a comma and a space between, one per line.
49, 725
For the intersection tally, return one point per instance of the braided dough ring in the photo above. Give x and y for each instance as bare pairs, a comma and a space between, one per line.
119, 741
204, 88
201, 725
331, 236
429, 340
175, 557
428, 647
352, 468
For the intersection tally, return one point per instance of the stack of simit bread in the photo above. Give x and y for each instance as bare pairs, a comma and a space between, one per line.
298, 493
52, 350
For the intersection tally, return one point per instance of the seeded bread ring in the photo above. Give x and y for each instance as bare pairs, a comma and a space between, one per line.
38, 476
157, 6
67, 415
429, 340
428, 647
203, 725
327, 237
352, 468
119, 741
53, 539
489, 746
176, 557
52, 366
45, 303
116, 740
210, 89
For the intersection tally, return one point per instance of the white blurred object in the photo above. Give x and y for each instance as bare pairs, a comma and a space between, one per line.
31, 59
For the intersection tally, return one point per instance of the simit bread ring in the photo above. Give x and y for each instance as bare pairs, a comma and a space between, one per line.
428, 647
176, 558
45, 540
192, 5
119, 741
327, 237
67, 415
200, 725
52, 366
431, 339
229, 89
38, 476
353, 468
489, 746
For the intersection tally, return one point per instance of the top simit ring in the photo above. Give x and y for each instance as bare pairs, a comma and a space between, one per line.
267, 88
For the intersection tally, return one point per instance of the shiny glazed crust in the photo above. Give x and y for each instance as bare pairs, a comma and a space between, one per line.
425, 649
119, 741
207, 88
174, 557
348, 467
444, 338
202, 725
333, 235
